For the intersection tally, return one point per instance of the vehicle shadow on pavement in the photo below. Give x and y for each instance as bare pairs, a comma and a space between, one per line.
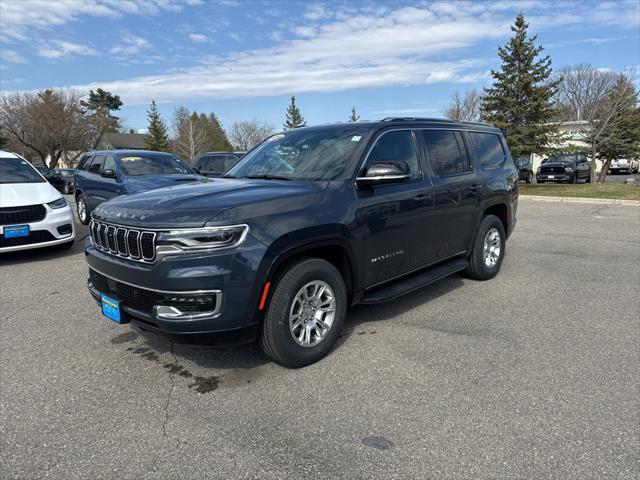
244, 358
42, 254
360, 316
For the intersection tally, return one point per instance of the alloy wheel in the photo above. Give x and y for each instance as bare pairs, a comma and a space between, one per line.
492, 248
312, 313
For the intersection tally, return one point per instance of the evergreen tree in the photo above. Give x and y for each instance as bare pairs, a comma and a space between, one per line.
353, 117
102, 101
216, 134
520, 102
156, 138
294, 117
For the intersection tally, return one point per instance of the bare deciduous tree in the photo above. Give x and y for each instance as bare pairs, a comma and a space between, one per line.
464, 109
589, 96
247, 134
49, 124
190, 134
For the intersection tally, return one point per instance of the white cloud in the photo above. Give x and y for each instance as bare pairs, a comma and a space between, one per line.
131, 45
198, 37
364, 49
61, 49
18, 18
11, 56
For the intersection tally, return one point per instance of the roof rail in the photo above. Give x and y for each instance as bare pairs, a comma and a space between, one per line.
417, 119
433, 120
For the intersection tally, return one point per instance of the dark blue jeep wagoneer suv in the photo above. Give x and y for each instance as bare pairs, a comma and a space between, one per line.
309, 222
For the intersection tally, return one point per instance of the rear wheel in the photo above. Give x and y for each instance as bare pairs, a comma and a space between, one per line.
488, 249
530, 177
306, 313
84, 215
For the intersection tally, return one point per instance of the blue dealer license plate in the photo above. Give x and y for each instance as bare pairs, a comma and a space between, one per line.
15, 231
111, 308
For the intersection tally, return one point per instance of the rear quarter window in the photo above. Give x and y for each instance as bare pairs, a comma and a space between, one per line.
488, 149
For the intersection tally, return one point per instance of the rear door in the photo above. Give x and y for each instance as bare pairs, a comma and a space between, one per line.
456, 192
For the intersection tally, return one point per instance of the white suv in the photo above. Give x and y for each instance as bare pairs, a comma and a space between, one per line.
33, 214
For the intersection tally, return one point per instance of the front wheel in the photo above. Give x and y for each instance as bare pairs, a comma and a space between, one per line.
530, 177
83, 209
306, 313
488, 249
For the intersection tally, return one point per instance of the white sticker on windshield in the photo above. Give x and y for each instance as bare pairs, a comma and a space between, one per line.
356, 138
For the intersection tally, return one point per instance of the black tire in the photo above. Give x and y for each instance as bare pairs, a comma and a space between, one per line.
66, 189
478, 269
276, 337
588, 178
575, 178
87, 212
529, 178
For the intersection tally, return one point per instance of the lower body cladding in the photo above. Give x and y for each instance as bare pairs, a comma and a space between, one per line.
56, 228
202, 299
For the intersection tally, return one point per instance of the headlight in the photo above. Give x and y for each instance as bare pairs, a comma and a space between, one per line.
61, 202
207, 238
568, 169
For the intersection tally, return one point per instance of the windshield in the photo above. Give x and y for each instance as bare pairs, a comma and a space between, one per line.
154, 165
304, 154
17, 170
65, 173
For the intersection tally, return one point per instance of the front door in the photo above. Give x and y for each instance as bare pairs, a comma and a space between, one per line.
394, 218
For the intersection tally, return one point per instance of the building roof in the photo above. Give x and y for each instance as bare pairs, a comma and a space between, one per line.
118, 141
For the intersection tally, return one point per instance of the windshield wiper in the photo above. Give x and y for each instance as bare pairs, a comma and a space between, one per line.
268, 177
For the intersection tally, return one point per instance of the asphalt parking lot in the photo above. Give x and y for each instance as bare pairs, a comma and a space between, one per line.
534, 374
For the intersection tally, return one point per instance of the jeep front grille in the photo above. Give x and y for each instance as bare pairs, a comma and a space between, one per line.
123, 242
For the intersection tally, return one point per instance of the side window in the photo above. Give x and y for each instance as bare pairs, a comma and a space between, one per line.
488, 150
110, 164
214, 163
396, 146
447, 154
84, 162
96, 165
230, 162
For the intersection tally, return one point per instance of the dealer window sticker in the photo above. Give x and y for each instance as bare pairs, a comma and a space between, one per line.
356, 138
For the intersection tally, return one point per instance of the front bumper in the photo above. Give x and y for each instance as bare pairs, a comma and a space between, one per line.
45, 233
230, 275
554, 177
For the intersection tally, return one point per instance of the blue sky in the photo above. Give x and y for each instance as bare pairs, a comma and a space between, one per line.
244, 59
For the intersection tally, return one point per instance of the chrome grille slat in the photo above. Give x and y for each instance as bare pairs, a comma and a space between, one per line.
139, 245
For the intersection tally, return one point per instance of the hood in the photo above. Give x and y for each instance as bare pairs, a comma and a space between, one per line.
142, 183
193, 205
19, 194
557, 163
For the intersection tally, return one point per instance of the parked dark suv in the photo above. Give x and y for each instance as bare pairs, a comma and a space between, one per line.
525, 168
309, 222
564, 168
106, 174
216, 164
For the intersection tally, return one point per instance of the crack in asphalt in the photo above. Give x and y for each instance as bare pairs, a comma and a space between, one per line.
31, 305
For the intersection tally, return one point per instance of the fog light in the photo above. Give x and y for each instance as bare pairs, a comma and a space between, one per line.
65, 229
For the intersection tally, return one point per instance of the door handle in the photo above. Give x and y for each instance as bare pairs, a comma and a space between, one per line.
475, 188
422, 197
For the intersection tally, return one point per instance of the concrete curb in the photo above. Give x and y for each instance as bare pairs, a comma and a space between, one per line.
601, 201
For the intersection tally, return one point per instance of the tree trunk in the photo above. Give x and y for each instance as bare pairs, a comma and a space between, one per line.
592, 172
605, 168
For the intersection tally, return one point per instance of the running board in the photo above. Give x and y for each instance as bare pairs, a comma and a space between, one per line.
413, 282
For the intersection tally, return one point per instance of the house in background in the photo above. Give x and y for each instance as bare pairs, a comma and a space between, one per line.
109, 141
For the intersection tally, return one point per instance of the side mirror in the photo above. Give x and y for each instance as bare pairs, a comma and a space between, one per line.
382, 173
108, 173
196, 169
